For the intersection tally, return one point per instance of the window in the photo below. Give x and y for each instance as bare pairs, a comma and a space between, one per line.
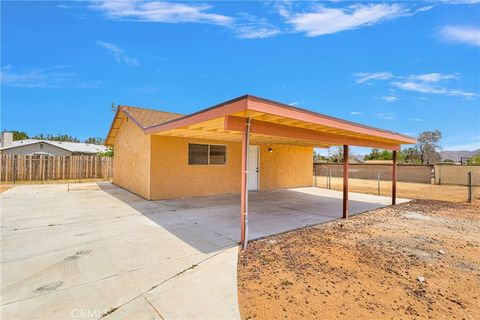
198, 154
41, 145
207, 154
218, 154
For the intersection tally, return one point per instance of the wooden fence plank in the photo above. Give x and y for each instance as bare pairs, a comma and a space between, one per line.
45, 167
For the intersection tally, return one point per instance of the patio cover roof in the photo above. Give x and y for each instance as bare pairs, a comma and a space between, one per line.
271, 122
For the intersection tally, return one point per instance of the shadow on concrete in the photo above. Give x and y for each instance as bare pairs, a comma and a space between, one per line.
211, 223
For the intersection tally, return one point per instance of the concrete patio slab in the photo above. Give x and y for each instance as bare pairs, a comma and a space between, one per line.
95, 249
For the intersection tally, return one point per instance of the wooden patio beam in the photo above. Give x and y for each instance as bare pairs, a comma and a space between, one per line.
345, 182
280, 130
394, 178
287, 111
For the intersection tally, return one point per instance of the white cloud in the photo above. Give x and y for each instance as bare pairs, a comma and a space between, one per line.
432, 88
53, 77
119, 54
461, 34
160, 11
430, 83
322, 20
416, 119
460, 1
390, 98
433, 77
256, 32
365, 77
245, 26
419, 87
386, 116
355, 113
295, 103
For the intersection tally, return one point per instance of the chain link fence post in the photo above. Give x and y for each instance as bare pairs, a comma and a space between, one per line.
329, 178
470, 191
378, 182
326, 178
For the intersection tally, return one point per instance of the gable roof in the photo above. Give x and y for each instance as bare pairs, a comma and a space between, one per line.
146, 117
224, 122
69, 146
142, 117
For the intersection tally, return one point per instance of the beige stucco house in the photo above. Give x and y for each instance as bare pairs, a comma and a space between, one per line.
161, 167
247, 143
161, 155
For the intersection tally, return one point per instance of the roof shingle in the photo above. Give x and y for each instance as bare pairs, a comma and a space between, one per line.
147, 117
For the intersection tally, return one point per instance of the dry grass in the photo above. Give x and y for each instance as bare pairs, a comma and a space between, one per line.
404, 189
417, 260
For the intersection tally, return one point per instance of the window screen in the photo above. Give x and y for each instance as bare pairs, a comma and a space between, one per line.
207, 154
197, 153
218, 154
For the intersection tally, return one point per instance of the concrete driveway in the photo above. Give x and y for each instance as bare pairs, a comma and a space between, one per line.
97, 251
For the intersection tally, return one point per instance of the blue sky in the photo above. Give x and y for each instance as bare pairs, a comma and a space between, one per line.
402, 66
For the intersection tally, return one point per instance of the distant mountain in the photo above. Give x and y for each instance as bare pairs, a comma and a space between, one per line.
456, 155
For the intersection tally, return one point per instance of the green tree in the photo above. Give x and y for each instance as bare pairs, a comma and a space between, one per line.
475, 159
376, 154
94, 140
107, 153
410, 155
56, 137
428, 146
336, 155
19, 135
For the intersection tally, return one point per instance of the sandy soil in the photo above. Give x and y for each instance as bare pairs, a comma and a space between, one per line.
418, 260
404, 189
8, 185
5, 187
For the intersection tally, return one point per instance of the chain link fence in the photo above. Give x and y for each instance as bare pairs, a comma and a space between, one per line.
456, 183
383, 172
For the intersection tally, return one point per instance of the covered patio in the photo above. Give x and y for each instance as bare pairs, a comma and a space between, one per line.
210, 223
256, 121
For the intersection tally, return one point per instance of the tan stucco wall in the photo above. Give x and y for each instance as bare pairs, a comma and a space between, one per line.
131, 163
172, 177
285, 167
452, 174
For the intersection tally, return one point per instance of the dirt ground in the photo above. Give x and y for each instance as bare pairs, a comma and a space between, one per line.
404, 189
418, 260
5, 187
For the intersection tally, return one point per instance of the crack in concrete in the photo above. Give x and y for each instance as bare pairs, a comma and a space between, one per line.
165, 281
68, 223
218, 233
153, 307
105, 278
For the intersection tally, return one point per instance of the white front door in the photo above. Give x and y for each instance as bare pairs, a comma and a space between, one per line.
253, 167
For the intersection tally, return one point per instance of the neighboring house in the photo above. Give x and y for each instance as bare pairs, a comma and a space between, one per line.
161, 155
46, 147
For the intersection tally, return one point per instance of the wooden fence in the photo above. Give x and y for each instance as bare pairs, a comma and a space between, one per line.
44, 167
